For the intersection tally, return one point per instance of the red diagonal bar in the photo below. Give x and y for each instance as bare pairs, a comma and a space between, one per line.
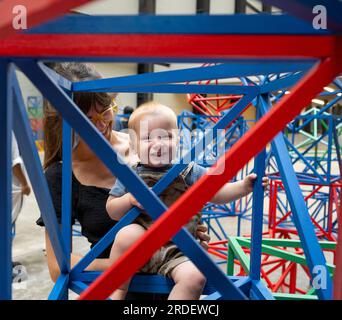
38, 11
305, 199
193, 200
167, 46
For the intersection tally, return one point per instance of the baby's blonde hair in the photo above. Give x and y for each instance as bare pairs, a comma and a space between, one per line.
147, 109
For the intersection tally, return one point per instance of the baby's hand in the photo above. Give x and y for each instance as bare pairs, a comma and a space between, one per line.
134, 201
250, 180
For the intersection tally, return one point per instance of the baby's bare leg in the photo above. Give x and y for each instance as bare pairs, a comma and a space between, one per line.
124, 239
189, 282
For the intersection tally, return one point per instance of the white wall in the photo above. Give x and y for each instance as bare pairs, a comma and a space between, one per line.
222, 6
103, 7
109, 70
110, 7
178, 102
175, 6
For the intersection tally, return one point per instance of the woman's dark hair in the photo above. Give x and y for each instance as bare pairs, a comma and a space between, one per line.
52, 121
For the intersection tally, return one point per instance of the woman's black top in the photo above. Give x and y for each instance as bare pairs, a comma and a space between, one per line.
88, 206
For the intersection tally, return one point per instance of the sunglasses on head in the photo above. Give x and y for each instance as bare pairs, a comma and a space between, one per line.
106, 114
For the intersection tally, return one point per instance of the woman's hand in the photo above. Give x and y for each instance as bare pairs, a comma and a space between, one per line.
202, 234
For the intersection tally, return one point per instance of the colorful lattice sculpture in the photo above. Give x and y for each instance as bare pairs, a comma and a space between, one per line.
291, 45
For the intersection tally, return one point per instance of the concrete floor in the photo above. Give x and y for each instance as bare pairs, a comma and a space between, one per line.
28, 246
29, 249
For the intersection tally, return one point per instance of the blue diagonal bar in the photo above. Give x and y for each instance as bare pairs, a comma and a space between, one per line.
221, 71
182, 88
35, 171
300, 214
259, 291
282, 83
60, 289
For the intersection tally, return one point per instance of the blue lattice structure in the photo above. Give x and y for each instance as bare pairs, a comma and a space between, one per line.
317, 155
317, 165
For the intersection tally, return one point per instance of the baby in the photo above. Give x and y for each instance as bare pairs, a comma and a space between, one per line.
153, 130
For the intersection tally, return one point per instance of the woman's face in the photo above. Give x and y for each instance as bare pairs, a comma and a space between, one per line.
102, 118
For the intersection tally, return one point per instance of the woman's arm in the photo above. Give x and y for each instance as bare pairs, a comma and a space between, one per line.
96, 265
118, 206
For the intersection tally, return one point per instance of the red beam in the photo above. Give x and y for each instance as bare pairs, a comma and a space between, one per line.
289, 212
167, 46
218, 254
218, 248
218, 242
283, 276
37, 12
281, 263
194, 199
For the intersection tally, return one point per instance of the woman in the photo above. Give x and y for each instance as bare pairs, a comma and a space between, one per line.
91, 180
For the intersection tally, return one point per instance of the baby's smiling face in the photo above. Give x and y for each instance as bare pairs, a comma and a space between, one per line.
157, 139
